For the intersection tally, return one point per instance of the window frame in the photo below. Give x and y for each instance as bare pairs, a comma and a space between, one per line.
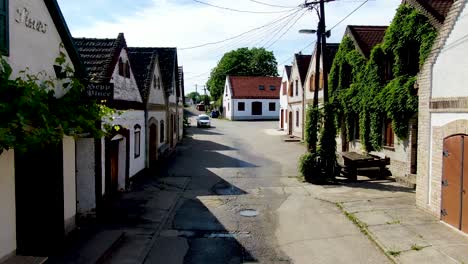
272, 88
4, 12
137, 141
389, 134
271, 104
161, 132
239, 108
297, 87
261, 87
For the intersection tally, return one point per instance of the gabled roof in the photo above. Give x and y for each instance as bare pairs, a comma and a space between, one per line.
143, 64
167, 59
435, 10
100, 56
65, 36
288, 69
366, 37
302, 62
332, 49
247, 87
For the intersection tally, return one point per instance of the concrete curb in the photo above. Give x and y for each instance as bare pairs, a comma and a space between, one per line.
141, 259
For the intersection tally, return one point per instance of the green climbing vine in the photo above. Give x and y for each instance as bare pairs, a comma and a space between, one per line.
382, 86
31, 116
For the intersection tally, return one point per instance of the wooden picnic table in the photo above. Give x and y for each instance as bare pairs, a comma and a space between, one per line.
353, 161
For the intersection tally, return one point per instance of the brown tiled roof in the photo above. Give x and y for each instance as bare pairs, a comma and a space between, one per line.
100, 56
143, 64
436, 10
247, 87
366, 37
303, 62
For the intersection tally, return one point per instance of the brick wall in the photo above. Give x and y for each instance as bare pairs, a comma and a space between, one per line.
428, 190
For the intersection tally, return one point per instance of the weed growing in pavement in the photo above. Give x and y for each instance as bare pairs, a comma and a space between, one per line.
396, 222
416, 247
394, 253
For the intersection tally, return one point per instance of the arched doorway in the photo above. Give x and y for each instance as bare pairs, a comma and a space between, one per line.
117, 163
455, 182
153, 144
290, 123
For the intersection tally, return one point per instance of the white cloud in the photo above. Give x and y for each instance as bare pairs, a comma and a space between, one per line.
184, 24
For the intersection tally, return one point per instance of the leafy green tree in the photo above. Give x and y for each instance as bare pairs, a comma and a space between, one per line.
243, 62
205, 99
194, 96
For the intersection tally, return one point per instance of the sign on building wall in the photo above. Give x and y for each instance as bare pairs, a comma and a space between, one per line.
102, 91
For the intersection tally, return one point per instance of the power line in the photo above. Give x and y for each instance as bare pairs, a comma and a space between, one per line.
263, 3
244, 33
361, 5
291, 57
286, 30
274, 32
242, 11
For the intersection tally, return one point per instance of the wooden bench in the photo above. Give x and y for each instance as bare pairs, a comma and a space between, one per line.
353, 161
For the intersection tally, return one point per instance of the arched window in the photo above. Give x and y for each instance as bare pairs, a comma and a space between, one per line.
121, 67
137, 137
297, 118
161, 132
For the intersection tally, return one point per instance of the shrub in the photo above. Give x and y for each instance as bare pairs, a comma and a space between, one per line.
309, 167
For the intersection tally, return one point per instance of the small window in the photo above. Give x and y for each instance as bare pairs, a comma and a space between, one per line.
261, 87
240, 106
4, 28
389, 136
312, 83
121, 68
272, 106
297, 118
272, 88
137, 142
297, 87
161, 132
155, 82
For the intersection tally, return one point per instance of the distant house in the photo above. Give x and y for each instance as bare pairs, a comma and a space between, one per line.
121, 155
443, 121
309, 89
296, 107
251, 97
283, 93
37, 187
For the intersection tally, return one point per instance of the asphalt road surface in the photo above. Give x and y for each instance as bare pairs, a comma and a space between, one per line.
244, 204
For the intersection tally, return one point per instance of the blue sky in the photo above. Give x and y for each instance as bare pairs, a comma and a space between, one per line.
185, 23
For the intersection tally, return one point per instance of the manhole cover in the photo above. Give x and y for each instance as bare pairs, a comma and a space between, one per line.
249, 213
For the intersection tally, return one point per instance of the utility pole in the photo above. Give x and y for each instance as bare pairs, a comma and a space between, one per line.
323, 30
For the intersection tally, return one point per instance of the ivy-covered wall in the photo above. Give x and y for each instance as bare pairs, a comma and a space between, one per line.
384, 85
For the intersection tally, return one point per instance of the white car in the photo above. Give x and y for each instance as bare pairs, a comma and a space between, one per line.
203, 121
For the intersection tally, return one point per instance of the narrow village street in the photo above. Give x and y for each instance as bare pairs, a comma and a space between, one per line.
242, 202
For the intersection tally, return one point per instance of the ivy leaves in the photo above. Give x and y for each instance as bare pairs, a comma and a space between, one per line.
383, 86
31, 116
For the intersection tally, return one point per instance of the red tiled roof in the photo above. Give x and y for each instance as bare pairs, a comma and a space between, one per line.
366, 37
437, 9
247, 87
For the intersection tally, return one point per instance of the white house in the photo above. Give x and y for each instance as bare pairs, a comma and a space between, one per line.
121, 155
443, 122
296, 95
251, 97
283, 94
37, 188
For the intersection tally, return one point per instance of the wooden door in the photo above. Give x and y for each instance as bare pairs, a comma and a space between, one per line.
281, 119
257, 108
464, 224
113, 181
39, 200
153, 144
454, 199
290, 123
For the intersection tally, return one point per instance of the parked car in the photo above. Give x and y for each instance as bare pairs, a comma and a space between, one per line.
214, 114
203, 121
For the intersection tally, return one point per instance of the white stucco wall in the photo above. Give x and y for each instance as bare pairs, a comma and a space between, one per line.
296, 130
247, 114
7, 204
30, 48
128, 119
451, 65
227, 102
283, 100
69, 183
125, 88
85, 176
156, 95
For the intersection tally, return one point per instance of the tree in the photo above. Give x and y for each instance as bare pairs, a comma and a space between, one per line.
194, 96
205, 99
243, 62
